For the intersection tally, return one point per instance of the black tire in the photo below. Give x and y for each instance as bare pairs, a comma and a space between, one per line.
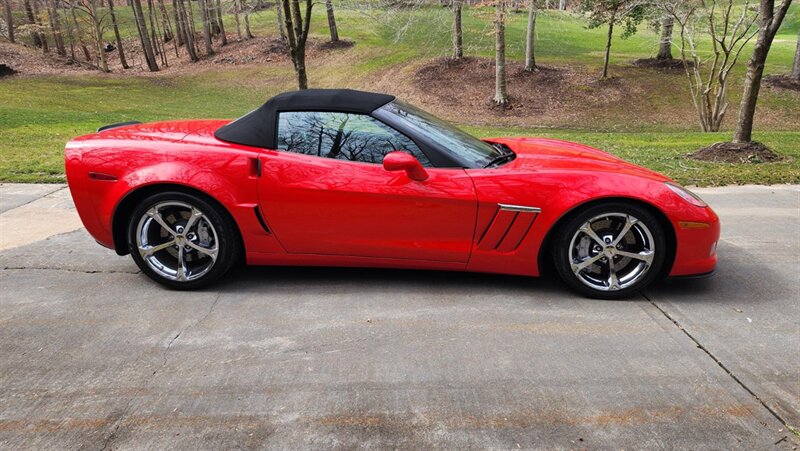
644, 238
213, 231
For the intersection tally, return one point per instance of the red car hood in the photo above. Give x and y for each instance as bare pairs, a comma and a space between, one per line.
544, 154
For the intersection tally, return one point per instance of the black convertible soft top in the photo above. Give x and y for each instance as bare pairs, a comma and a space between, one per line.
258, 128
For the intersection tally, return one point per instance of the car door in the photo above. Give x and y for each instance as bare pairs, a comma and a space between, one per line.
326, 192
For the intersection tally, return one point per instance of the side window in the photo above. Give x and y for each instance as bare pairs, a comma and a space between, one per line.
344, 136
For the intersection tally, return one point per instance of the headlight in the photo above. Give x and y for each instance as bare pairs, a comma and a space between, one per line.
686, 195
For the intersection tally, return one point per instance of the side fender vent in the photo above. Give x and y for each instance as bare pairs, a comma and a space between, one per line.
508, 228
261, 220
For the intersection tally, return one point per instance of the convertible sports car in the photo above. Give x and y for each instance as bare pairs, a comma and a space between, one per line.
350, 178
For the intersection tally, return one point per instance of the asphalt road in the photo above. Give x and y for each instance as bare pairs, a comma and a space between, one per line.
93, 355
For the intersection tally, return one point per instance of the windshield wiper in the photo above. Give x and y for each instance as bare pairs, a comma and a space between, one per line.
505, 154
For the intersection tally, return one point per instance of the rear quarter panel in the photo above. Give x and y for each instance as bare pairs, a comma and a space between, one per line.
223, 171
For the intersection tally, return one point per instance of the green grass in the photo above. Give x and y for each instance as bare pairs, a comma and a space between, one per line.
39, 114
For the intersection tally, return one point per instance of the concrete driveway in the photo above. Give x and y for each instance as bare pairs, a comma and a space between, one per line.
94, 355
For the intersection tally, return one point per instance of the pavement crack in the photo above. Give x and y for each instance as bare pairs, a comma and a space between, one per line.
118, 423
175, 338
82, 271
718, 361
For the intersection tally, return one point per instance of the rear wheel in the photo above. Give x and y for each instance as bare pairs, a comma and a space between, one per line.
610, 251
181, 240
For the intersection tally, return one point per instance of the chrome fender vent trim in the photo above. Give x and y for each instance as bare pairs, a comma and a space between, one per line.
509, 226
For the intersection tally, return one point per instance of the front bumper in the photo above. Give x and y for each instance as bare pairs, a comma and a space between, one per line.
696, 239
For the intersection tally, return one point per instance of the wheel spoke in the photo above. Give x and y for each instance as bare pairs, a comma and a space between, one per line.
629, 222
613, 282
196, 214
578, 267
181, 270
645, 256
154, 213
146, 251
587, 229
210, 252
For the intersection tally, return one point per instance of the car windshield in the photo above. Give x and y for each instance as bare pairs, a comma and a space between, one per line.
467, 148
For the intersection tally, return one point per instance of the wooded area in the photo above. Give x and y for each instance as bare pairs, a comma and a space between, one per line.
718, 44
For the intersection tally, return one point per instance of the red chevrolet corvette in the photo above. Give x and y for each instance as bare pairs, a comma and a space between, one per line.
350, 178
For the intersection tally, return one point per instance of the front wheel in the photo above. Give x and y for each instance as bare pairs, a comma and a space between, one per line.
181, 240
610, 251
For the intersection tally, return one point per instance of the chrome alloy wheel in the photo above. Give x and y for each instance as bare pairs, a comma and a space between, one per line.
611, 251
177, 241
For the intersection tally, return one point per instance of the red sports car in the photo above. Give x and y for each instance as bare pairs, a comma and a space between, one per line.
350, 178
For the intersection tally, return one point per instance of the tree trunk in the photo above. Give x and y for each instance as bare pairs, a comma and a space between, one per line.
530, 53
9, 21
206, 25
281, 24
42, 36
176, 16
97, 29
500, 97
55, 26
78, 30
770, 22
37, 42
795, 75
236, 11
183, 30
332, 21
458, 33
144, 37
220, 24
608, 48
665, 46
117, 37
246, 8
32, 20
153, 32
166, 26
297, 34
562, 5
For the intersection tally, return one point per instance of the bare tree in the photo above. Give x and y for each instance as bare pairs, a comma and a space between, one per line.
117, 37
628, 13
530, 38
237, 9
500, 96
40, 27
281, 24
770, 22
204, 11
297, 26
29, 14
177, 17
9, 21
665, 44
185, 30
79, 31
331, 21
246, 9
730, 30
55, 26
795, 75
141, 27
166, 26
458, 33
220, 24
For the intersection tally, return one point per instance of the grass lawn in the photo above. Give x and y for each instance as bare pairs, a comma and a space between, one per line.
38, 114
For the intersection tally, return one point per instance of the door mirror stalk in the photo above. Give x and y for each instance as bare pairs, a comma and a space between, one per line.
404, 161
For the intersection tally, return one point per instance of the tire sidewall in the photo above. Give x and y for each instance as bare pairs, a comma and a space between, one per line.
561, 249
226, 236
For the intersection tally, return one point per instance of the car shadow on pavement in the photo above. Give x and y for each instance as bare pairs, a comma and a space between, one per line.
256, 278
740, 277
